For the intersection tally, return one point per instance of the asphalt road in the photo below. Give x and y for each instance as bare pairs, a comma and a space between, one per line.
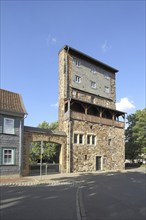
105, 196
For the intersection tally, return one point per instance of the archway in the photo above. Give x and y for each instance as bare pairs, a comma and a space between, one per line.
32, 134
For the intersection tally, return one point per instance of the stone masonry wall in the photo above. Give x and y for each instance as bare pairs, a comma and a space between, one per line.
112, 154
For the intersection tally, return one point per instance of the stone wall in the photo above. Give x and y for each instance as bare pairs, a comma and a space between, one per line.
109, 145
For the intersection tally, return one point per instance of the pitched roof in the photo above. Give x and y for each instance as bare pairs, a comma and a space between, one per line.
11, 102
91, 59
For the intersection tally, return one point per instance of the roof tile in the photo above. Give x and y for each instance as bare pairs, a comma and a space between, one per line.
10, 101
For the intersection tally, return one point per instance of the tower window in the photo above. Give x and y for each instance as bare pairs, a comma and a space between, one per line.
91, 139
78, 139
93, 84
106, 75
107, 89
75, 138
77, 62
78, 79
93, 70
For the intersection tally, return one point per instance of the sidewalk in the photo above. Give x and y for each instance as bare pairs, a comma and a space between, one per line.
33, 180
58, 177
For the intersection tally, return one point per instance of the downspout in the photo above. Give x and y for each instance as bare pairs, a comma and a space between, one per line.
20, 144
67, 77
69, 136
69, 114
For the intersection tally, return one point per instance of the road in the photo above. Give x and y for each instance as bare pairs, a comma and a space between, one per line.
104, 196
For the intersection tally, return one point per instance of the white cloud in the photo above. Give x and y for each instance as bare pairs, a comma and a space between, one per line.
51, 39
106, 46
125, 104
55, 105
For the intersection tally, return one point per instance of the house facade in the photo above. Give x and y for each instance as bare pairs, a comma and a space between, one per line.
12, 113
87, 113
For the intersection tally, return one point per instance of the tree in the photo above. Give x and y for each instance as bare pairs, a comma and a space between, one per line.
53, 126
135, 145
50, 150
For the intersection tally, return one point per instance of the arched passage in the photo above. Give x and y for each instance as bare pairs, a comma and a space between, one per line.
38, 134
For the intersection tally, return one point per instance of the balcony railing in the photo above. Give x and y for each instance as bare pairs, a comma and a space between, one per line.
95, 119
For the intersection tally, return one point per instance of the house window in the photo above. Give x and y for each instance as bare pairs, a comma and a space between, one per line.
78, 79
8, 156
107, 89
91, 139
93, 69
78, 138
8, 126
93, 84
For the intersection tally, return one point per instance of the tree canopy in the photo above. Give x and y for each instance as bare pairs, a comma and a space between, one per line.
50, 150
135, 133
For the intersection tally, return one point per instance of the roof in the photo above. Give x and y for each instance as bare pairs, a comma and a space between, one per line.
103, 65
44, 131
11, 102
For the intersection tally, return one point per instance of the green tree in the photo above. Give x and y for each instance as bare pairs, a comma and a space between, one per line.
46, 125
136, 135
50, 150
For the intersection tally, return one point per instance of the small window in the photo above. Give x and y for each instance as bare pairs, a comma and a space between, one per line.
91, 139
93, 70
78, 138
88, 139
109, 141
85, 157
107, 89
8, 126
77, 62
93, 84
106, 75
75, 138
8, 156
78, 79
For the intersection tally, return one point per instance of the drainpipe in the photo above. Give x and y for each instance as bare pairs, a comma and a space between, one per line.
69, 114
69, 137
67, 76
20, 144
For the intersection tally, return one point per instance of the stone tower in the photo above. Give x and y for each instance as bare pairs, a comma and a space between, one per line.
87, 113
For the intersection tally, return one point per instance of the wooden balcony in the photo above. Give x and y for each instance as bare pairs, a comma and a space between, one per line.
95, 119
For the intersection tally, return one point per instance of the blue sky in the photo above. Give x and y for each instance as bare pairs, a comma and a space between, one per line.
32, 33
